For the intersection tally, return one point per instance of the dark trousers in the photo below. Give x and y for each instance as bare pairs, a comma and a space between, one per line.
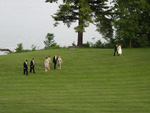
26, 71
32, 68
115, 52
54, 65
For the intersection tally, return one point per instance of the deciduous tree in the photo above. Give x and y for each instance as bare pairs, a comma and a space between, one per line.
133, 22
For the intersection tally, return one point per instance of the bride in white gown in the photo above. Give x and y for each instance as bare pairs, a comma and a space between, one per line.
119, 50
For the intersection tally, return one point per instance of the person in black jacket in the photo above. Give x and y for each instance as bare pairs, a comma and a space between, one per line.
25, 67
55, 58
115, 50
32, 66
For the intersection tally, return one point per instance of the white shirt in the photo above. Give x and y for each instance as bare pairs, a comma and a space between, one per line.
33, 62
55, 57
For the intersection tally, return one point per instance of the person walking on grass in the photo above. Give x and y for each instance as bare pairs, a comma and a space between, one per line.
59, 62
32, 66
46, 63
49, 66
55, 58
119, 50
116, 50
25, 67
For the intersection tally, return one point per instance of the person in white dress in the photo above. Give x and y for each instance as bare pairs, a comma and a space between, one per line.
46, 63
119, 50
59, 62
49, 59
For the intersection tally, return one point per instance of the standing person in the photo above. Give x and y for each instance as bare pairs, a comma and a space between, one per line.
32, 66
55, 58
25, 67
115, 50
119, 50
59, 62
46, 63
49, 59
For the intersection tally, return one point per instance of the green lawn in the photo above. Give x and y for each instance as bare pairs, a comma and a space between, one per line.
91, 81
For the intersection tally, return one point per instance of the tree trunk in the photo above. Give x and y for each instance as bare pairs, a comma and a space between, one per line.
80, 34
80, 39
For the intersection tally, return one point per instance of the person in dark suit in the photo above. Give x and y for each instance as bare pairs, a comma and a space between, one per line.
55, 58
32, 66
25, 67
115, 50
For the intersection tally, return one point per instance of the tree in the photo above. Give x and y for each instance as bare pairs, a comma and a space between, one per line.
33, 47
19, 48
85, 12
132, 22
49, 40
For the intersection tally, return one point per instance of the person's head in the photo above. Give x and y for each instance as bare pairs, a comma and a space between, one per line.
46, 57
55, 55
59, 56
32, 58
26, 60
49, 56
116, 44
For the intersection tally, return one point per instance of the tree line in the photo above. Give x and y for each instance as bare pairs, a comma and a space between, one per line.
125, 21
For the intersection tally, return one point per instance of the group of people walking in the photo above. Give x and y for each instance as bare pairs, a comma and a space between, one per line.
118, 50
47, 64
25, 67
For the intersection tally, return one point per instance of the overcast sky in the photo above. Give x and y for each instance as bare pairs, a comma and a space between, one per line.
28, 22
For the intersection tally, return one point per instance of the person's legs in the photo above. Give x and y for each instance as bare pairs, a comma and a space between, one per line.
45, 69
33, 70
24, 71
114, 53
54, 65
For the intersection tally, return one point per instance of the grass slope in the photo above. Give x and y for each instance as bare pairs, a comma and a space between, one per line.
91, 81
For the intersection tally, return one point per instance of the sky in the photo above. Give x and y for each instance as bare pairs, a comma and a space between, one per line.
29, 21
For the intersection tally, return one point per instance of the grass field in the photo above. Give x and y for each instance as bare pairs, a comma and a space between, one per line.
91, 81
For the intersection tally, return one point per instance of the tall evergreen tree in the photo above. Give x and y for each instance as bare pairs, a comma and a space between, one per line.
85, 12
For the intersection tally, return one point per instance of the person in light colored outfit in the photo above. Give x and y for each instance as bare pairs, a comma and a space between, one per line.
46, 63
49, 59
59, 62
119, 50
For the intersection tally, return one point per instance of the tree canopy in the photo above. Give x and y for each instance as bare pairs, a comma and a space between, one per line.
129, 19
85, 12
49, 40
132, 22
